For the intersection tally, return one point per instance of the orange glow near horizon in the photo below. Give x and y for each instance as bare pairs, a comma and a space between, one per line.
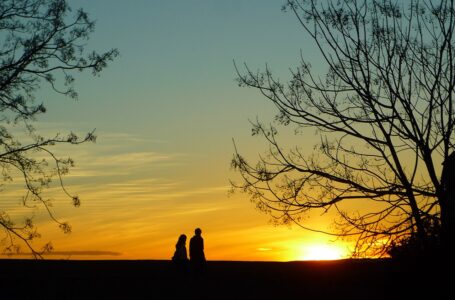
157, 214
322, 252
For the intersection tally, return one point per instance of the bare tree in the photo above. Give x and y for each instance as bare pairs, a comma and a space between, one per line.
42, 41
384, 112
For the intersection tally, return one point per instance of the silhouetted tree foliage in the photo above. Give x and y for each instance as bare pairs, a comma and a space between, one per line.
384, 113
409, 247
41, 42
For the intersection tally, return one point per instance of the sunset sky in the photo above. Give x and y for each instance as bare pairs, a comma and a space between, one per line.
165, 113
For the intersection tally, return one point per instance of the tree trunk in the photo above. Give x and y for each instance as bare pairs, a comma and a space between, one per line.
447, 205
448, 221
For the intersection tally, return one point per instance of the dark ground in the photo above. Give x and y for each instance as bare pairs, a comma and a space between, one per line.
345, 279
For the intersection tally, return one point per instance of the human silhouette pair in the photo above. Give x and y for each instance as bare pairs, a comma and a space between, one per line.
197, 256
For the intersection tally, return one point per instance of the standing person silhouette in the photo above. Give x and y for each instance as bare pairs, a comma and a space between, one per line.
197, 256
180, 257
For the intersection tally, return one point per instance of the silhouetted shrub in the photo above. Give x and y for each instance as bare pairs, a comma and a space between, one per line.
412, 247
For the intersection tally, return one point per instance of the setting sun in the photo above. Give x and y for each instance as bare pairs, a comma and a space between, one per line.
322, 252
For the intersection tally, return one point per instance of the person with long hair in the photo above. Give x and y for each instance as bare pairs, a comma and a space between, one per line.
180, 257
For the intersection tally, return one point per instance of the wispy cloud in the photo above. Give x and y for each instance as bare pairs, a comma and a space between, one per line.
85, 252
131, 159
71, 253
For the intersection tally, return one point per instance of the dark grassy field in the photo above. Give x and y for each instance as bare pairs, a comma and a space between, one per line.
345, 279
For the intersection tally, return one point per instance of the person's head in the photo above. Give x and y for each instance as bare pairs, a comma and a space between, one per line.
197, 231
182, 239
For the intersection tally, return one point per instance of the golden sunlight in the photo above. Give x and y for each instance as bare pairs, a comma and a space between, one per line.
322, 252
